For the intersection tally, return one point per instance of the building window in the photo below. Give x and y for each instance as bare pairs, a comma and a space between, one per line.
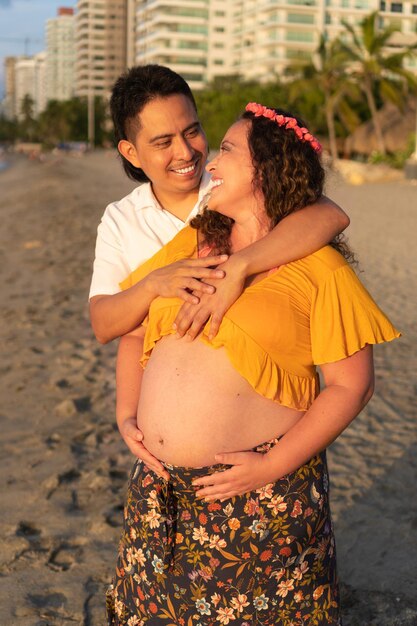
298, 54
300, 18
382, 5
189, 77
189, 28
414, 8
295, 35
310, 3
190, 45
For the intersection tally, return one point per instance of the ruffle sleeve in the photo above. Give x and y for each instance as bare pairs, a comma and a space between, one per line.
345, 318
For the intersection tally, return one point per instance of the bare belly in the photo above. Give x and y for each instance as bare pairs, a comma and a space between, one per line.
194, 404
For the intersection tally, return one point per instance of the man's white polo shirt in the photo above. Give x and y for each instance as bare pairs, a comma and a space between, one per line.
130, 232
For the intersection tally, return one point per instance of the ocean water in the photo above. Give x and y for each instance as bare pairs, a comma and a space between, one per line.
3, 165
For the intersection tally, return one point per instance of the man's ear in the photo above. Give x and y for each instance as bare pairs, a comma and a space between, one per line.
128, 151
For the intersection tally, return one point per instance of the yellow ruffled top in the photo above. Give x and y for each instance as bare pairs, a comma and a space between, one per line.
306, 313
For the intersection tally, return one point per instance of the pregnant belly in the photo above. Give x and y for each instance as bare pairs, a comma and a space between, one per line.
194, 404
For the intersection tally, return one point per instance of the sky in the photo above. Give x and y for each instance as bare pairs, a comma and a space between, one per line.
21, 20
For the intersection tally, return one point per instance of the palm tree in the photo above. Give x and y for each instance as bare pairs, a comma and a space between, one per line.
326, 73
28, 123
372, 65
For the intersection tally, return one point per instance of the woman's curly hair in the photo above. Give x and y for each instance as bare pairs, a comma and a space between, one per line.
288, 172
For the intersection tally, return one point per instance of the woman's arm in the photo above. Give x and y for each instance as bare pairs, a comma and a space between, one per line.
296, 236
128, 380
349, 386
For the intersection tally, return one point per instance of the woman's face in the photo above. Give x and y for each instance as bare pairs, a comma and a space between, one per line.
232, 173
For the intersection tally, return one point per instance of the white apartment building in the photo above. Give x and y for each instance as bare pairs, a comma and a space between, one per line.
255, 39
174, 34
60, 59
101, 45
402, 15
270, 34
220, 43
9, 102
30, 80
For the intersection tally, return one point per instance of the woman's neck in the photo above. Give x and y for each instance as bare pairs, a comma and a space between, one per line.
245, 234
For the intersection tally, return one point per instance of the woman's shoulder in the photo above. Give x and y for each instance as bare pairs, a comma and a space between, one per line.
181, 246
328, 258
323, 264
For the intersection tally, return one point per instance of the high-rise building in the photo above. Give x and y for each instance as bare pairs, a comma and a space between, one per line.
175, 34
60, 59
220, 39
30, 80
9, 103
101, 44
254, 39
268, 35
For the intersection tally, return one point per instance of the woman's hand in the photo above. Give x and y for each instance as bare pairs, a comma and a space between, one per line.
192, 317
133, 437
249, 471
181, 278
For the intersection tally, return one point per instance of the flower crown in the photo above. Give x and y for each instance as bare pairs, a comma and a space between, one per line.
302, 133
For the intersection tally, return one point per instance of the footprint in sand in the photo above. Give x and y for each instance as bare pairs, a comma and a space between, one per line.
114, 517
64, 557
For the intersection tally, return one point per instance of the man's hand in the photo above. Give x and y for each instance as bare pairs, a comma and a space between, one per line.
133, 437
192, 317
186, 278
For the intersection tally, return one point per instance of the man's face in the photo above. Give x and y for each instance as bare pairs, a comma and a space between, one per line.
170, 147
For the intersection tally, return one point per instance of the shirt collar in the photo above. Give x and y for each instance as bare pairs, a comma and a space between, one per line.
148, 199
204, 188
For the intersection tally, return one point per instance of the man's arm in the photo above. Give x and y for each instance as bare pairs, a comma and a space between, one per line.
115, 315
296, 236
301, 233
128, 381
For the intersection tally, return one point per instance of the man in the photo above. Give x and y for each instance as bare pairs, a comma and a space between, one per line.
163, 146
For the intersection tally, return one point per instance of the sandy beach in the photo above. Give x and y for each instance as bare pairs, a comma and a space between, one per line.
63, 465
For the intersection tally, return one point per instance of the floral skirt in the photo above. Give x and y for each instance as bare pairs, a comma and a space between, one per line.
266, 557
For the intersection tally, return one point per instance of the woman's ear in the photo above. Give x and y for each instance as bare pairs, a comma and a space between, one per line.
128, 151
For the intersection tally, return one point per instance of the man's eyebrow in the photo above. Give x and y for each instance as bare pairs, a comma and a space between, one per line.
170, 135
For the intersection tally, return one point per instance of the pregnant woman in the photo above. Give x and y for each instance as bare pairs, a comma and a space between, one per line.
237, 527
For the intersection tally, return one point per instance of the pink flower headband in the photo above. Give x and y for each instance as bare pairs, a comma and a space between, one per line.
303, 134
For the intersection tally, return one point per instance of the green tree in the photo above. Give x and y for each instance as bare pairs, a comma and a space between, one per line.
220, 104
8, 130
374, 67
28, 126
54, 123
64, 121
326, 75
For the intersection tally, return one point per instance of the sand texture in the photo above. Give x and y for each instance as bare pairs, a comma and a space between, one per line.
63, 466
